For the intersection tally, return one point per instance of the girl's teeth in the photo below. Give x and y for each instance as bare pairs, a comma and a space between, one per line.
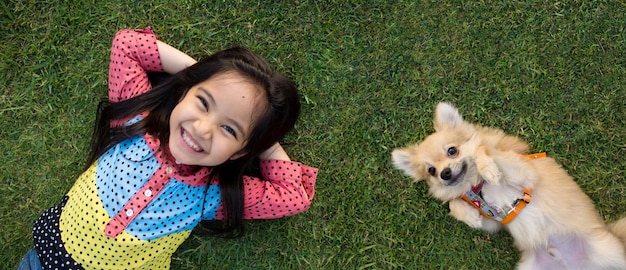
190, 143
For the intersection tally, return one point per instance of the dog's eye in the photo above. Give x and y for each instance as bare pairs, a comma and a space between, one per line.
432, 171
452, 151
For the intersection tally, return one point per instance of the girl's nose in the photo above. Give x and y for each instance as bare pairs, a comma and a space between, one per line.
205, 128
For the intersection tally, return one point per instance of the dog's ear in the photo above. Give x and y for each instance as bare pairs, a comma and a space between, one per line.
447, 116
401, 159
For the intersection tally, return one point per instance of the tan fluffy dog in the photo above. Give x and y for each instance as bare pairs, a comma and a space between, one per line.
555, 225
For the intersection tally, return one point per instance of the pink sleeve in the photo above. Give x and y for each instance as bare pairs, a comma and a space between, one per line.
287, 189
133, 54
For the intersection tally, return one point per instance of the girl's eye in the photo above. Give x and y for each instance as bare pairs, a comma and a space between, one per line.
204, 103
230, 130
452, 151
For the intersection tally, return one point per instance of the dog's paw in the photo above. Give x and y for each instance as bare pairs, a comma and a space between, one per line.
462, 211
486, 167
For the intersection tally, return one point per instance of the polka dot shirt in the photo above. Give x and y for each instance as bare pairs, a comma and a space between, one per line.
133, 207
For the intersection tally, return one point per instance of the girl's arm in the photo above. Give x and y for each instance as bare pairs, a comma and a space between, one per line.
275, 152
133, 54
286, 188
172, 59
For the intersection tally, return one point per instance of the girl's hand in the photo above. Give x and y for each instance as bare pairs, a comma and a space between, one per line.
275, 152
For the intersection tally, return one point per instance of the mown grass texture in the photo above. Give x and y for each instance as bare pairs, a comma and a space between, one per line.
370, 74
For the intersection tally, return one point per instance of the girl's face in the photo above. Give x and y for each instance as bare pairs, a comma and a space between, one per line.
212, 122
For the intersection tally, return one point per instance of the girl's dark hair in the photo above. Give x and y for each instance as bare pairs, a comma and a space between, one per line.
271, 125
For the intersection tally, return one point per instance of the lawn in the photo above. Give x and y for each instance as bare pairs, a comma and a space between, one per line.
370, 74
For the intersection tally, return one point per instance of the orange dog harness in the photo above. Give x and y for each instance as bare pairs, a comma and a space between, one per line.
474, 198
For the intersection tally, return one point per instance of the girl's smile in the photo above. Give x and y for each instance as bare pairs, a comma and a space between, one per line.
211, 124
190, 141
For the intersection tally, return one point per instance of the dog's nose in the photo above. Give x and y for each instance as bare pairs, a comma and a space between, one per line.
446, 174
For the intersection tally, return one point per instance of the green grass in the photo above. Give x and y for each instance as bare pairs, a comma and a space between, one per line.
370, 75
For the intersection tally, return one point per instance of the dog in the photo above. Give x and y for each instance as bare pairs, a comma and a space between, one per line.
491, 183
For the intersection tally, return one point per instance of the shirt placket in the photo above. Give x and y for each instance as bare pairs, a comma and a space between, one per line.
142, 198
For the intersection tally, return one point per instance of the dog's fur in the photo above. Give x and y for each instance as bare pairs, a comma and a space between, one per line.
559, 229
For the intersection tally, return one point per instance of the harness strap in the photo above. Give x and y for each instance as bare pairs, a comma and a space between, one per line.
475, 199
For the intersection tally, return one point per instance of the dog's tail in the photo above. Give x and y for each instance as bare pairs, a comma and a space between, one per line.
619, 229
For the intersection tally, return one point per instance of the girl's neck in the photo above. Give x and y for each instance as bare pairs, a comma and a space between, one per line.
162, 151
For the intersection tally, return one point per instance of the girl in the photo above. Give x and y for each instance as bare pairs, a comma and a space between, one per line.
165, 158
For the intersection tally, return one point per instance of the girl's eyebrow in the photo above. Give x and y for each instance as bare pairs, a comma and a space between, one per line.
212, 102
